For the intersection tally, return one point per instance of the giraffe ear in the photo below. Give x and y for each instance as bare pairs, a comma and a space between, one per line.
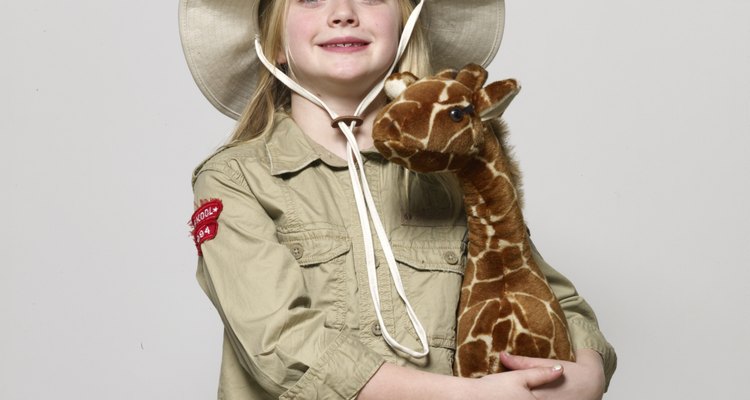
397, 83
491, 101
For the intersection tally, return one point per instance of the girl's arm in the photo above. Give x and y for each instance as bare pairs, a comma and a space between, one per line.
395, 382
584, 379
588, 377
258, 289
582, 325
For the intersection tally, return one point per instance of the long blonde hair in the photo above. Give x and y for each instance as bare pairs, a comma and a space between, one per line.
271, 95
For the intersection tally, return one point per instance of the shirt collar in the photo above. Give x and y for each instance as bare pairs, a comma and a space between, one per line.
290, 150
287, 148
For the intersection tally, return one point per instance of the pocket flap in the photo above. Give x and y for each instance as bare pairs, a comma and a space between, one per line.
315, 246
430, 256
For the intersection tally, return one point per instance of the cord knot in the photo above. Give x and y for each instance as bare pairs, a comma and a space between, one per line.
347, 119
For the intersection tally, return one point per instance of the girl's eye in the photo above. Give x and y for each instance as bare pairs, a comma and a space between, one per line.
456, 114
309, 3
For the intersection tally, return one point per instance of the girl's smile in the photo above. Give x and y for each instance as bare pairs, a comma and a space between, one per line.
345, 44
341, 47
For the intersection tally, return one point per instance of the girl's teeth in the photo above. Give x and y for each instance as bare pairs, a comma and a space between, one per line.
344, 45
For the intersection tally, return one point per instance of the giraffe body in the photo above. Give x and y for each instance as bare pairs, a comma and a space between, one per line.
437, 124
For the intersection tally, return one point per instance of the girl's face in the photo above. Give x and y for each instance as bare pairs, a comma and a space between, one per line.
341, 47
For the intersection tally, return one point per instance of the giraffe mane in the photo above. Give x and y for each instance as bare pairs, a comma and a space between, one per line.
499, 128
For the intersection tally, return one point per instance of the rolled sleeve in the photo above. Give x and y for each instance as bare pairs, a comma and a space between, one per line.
582, 323
258, 288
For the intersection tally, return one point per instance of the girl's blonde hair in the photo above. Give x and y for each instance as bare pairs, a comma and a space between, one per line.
271, 95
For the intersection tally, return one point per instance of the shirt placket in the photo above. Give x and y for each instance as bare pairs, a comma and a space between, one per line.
368, 326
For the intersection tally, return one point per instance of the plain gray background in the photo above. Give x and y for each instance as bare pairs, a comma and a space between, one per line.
632, 130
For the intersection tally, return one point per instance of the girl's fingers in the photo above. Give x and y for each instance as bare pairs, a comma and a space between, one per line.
540, 376
518, 362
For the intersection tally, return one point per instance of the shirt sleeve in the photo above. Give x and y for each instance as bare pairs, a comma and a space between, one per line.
582, 323
257, 287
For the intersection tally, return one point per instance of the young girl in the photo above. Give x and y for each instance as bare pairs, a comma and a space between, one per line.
335, 272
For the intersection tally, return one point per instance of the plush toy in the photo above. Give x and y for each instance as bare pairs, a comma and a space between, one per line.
438, 124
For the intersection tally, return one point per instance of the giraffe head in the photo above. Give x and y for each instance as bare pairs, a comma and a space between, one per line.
436, 123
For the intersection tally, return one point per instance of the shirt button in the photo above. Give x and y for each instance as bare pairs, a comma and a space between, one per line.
450, 257
297, 250
376, 329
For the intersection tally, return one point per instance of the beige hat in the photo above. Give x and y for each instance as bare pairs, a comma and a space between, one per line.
218, 36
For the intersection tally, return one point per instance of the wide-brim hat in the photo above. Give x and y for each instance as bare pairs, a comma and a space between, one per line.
218, 41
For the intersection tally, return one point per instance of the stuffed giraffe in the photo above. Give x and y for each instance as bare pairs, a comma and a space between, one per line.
437, 124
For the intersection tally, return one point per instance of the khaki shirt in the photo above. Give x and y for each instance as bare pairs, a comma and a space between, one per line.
286, 270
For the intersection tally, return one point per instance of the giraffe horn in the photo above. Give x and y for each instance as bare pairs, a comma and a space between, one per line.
473, 76
397, 83
491, 101
448, 73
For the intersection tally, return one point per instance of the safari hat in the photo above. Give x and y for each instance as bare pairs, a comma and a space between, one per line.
218, 41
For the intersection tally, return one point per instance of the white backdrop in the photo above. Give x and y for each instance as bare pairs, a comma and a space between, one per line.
632, 129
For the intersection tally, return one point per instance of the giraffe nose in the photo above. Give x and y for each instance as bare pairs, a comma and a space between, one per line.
385, 131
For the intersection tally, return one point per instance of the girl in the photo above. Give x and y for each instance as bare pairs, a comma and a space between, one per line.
314, 304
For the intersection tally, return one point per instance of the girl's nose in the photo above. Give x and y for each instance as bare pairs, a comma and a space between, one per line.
343, 14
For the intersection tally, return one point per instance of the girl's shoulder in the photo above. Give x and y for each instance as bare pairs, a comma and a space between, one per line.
251, 156
230, 156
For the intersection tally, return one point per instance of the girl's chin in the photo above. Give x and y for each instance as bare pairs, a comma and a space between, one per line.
347, 82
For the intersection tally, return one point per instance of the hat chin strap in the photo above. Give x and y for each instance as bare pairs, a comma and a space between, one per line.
362, 193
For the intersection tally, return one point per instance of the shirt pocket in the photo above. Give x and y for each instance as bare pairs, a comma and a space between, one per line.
433, 201
321, 254
432, 272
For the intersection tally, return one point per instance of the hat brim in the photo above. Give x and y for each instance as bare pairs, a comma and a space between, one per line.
217, 38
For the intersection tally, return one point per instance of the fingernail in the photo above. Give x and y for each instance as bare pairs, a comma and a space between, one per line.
508, 354
556, 368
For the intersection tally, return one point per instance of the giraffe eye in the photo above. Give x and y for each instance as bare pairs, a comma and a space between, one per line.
456, 114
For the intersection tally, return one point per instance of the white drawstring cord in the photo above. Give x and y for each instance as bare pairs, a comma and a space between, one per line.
366, 203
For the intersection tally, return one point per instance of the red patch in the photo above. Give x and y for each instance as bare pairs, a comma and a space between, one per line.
205, 222
206, 232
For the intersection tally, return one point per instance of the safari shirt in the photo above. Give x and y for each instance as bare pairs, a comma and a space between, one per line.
286, 270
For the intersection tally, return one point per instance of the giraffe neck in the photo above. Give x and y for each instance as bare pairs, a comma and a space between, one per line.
492, 205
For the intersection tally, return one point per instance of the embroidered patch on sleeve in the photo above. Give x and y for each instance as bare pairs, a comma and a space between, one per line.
205, 222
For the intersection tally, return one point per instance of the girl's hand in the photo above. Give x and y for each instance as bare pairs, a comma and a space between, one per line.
396, 382
514, 385
583, 380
